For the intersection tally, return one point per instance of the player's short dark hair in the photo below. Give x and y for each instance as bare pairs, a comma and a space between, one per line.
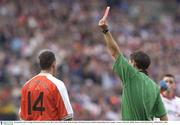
169, 75
142, 60
46, 59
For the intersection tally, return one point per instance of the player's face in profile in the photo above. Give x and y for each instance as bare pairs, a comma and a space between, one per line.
132, 62
170, 82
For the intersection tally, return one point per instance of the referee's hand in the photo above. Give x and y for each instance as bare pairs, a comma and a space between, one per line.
103, 22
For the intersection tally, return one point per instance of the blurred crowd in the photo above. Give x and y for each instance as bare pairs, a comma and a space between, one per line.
69, 28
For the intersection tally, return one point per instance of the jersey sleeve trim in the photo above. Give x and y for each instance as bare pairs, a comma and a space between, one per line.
63, 92
68, 117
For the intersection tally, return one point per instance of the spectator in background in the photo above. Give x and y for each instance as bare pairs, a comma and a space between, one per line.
7, 108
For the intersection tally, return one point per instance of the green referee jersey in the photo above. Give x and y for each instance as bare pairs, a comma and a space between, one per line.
141, 96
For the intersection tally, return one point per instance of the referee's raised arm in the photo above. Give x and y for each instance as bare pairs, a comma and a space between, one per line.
110, 42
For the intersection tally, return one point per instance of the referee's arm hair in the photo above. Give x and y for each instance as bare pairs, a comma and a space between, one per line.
111, 45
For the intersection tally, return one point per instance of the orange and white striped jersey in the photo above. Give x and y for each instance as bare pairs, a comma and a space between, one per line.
45, 98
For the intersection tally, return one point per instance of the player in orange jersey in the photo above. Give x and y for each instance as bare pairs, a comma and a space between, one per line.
44, 97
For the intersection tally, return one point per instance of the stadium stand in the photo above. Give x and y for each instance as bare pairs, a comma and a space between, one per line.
69, 28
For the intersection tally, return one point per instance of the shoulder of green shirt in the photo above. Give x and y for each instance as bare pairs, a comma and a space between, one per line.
117, 59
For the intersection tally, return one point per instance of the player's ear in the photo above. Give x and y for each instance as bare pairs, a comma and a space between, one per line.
132, 62
53, 68
174, 86
54, 65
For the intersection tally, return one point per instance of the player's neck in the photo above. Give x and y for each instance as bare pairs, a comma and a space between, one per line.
46, 71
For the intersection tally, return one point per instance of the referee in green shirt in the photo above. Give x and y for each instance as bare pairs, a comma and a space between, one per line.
141, 96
